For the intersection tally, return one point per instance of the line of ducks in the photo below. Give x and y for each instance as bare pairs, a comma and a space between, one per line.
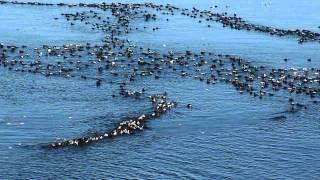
124, 128
238, 23
233, 22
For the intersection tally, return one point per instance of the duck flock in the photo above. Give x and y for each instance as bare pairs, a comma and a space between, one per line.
117, 61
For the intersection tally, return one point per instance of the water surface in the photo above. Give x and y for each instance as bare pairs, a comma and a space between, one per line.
225, 135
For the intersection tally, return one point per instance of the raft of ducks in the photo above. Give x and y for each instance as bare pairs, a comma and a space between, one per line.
116, 60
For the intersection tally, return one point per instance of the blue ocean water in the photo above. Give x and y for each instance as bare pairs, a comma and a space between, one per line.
225, 135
